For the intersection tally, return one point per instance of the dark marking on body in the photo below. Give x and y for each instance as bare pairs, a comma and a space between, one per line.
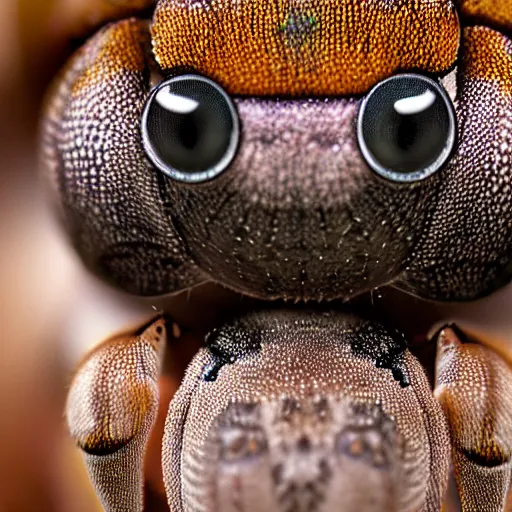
373, 341
491, 457
102, 446
227, 346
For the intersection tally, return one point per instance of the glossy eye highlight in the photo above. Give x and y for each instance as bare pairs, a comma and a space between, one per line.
190, 128
406, 128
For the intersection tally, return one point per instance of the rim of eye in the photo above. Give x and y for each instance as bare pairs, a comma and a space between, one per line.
407, 128
190, 128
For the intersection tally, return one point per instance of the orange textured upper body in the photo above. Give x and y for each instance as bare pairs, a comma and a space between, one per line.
313, 47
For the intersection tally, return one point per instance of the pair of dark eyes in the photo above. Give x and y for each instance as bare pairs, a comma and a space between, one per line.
406, 128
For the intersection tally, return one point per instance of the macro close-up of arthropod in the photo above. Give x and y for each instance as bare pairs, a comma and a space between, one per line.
292, 185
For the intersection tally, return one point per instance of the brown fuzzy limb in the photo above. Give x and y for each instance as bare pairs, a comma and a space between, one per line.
111, 409
474, 387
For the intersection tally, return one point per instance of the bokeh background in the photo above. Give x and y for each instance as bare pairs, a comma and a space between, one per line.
51, 311
44, 293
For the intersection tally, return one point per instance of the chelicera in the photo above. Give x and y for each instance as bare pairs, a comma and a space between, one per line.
291, 152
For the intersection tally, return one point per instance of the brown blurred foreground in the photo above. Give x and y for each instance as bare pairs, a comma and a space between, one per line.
40, 284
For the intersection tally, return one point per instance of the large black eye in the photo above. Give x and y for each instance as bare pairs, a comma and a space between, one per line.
190, 128
406, 127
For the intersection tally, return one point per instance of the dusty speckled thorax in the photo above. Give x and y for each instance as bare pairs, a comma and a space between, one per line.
323, 404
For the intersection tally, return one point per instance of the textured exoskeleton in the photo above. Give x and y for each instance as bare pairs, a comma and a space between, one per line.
293, 410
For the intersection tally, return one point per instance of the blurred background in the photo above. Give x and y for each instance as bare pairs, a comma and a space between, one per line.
51, 311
